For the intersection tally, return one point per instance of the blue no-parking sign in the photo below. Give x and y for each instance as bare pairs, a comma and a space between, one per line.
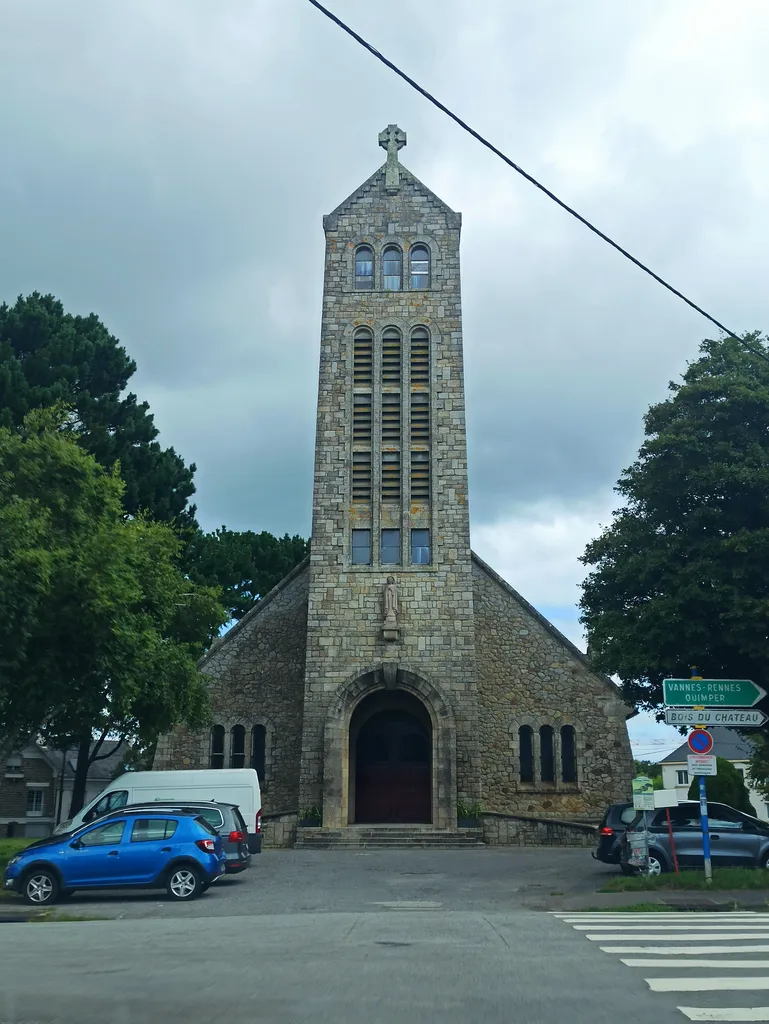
700, 741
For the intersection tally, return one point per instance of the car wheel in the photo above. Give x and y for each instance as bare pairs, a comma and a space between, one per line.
184, 883
656, 865
41, 887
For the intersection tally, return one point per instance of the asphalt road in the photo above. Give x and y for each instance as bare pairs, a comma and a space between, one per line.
392, 937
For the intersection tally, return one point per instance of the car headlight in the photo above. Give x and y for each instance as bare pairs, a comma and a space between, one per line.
14, 860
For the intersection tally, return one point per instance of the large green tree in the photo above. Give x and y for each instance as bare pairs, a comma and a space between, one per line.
100, 631
49, 356
727, 786
245, 565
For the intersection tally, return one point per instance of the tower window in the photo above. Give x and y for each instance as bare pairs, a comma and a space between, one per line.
391, 357
361, 418
361, 476
391, 476
361, 547
258, 750
420, 417
391, 418
546, 754
568, 754
216, 759
420, 547
526, 754
392, 269
420, 476
364, 268
420, 357
391, 547
238, 747
362, 359
420, 267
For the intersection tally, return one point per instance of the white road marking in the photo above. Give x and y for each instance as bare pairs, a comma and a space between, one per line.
672, 926
726, 1013
717, 936
707, 984
409, 905
673, 950
759, 965
661, 915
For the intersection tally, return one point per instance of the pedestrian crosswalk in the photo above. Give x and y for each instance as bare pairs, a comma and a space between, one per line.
690, 952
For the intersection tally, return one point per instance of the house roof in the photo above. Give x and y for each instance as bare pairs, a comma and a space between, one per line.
102, 770
727, 743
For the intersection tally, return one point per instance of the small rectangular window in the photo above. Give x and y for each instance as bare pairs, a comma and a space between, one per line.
391, 476
420, 476
391, 547
683, 778
391, 418
35, 800
361, 547
361, 418
420, 547
361, 476
420, 417
148, 830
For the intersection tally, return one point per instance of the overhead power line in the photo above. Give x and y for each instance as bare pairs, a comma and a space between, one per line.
551, 195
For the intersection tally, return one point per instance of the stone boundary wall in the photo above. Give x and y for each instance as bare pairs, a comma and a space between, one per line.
279, 829
514, 830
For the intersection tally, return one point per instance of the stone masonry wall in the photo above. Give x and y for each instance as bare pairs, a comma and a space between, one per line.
345, 604
257, 678
528, 675
506, 830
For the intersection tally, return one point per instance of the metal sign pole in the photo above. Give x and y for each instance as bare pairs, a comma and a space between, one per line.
705, 831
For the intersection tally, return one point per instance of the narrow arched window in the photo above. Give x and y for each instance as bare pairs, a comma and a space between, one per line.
392, 269
216, 757
546, 754
526, 753
364, 268
420, 266
568, 754
259, 750
238, 747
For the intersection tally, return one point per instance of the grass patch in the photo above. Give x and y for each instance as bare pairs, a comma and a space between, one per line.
723, 879
55, 915
8, 849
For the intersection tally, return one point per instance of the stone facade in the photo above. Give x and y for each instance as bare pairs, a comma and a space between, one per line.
462, 653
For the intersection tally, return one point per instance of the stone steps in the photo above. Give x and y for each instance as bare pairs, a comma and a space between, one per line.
359, 837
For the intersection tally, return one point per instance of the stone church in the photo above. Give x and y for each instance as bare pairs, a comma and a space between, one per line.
394, 676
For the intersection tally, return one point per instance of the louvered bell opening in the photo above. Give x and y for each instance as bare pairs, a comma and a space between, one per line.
361, 476
420, 476
363, 363
391, 476
420, 417
420, 358
361, 418
391, 418
391, 358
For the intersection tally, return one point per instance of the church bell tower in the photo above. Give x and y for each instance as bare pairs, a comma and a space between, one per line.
390, 599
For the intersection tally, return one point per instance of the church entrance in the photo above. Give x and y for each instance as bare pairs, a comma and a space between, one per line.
390, 757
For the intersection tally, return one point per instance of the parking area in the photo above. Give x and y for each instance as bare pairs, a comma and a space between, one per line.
309, 881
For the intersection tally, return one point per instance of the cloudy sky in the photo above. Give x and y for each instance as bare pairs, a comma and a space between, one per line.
167, 165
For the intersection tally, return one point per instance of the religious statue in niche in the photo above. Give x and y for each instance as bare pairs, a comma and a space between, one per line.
390, 600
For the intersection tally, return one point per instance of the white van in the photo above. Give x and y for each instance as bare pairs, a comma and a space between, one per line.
227, 785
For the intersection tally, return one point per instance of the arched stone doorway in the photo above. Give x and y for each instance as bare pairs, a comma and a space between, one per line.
339, 776
390, 759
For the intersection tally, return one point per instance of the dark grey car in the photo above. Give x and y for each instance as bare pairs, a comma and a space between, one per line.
736, 839
226, 819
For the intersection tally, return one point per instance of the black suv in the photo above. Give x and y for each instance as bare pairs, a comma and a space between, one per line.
225, 819
611, 831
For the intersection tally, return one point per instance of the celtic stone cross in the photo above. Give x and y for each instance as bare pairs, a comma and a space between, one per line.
392, 139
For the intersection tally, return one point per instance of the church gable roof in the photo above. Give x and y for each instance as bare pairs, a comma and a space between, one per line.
548, 626
409, 183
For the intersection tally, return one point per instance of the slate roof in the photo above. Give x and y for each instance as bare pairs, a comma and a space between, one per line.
102, 770
726, 743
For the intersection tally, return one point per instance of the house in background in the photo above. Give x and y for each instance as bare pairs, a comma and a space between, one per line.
727, 743
36, 786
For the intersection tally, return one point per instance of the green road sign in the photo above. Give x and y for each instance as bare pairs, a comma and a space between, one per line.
727, 693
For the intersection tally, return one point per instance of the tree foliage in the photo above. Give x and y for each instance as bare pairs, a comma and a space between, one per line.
679, 577
99, 629
726, 787
245, 565
47, 357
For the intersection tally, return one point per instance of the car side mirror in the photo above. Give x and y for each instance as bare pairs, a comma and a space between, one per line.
76, 845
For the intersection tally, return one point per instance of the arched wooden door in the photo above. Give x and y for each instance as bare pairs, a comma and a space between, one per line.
393, 769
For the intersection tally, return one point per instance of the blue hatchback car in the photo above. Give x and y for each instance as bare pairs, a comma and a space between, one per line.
146, 850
